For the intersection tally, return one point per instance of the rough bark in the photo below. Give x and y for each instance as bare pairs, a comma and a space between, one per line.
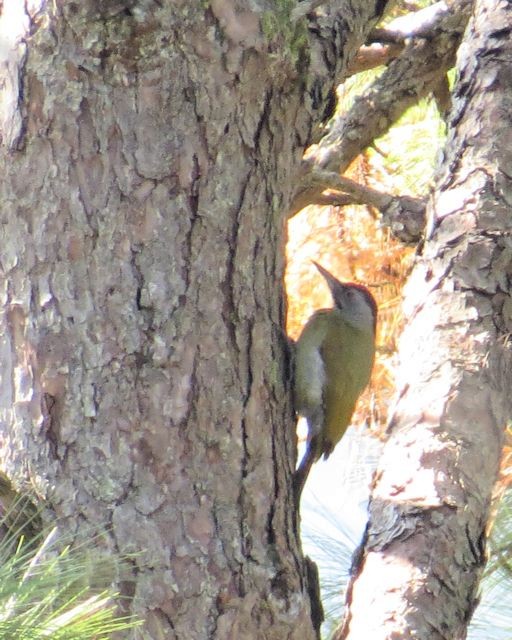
407, 79
424, 549
148, 154
433, 36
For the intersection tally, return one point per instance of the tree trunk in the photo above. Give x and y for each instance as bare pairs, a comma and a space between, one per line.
424, 548
148, 156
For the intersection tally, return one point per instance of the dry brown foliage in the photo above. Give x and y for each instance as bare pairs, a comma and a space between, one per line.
354, 247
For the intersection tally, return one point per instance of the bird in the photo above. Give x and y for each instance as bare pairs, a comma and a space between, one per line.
334, 358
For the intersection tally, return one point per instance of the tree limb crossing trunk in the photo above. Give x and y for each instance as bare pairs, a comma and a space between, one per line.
148, 155
424, 550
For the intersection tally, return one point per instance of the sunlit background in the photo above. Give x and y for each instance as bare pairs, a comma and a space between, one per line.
352, 244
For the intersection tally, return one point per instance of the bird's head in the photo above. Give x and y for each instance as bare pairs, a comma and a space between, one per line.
355, 301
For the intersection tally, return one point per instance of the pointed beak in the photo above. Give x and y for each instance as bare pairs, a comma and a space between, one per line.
334, 283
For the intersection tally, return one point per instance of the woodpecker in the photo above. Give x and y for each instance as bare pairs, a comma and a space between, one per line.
333, 362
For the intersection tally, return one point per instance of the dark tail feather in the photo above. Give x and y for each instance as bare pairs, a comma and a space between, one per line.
301, 475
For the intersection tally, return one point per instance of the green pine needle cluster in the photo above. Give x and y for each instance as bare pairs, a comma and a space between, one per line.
42, 594
492, 620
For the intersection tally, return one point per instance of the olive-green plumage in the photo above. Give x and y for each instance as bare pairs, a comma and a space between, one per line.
347, 354
333, 362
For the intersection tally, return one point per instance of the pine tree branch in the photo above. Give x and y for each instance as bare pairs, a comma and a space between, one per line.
335, 31
404, 215
372, 56
410, 77
385, 44
424, 23
419, 70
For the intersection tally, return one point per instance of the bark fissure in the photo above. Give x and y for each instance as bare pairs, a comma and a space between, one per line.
142, 244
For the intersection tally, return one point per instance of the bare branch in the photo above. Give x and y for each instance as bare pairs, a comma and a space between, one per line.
408, 78
375, 55
359, 194
404, 215
333, 43
425, 23
328, 198
419, 70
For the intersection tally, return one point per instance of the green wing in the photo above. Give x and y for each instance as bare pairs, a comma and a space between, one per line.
348, 356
